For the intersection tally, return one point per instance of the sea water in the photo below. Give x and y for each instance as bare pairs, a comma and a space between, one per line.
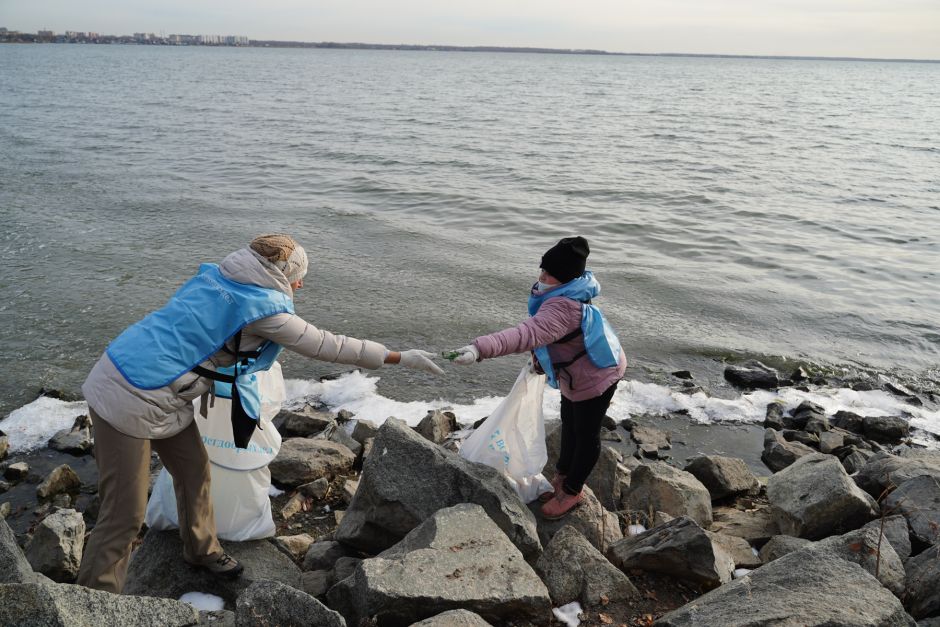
779, 209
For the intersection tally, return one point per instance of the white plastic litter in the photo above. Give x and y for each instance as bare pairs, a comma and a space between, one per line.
512, 439
241, 480
569, 614
204, 602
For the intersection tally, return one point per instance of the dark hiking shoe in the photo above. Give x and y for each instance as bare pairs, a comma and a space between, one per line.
225, 566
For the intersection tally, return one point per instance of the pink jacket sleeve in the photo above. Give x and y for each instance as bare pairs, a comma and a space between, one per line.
556, 318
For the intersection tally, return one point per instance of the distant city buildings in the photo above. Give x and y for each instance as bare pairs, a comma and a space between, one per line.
149, 39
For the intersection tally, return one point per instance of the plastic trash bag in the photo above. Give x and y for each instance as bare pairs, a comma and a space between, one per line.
240, 477
512, 439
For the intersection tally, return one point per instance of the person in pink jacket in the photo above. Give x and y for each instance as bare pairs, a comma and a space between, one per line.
576, 348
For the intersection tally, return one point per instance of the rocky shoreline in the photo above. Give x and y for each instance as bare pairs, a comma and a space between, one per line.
825, 520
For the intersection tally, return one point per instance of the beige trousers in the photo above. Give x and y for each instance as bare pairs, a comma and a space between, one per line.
123, 482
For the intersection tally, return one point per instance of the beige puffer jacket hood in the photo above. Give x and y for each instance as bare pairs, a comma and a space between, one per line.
164, 412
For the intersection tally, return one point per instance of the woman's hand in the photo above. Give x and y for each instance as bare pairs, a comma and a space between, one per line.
417, 360
468, 355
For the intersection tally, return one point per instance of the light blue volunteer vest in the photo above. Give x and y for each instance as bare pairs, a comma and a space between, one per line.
600, 341
205, 312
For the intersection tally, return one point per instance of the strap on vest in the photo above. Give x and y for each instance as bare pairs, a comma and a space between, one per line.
218, 376
212, 374
562, 367
577, 332
242, 356
255, 354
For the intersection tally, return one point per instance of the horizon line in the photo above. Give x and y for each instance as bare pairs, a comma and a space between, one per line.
583, 51
544, 50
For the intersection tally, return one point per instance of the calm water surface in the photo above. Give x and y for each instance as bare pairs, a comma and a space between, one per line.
761, 207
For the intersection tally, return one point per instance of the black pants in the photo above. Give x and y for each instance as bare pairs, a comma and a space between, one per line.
581, 438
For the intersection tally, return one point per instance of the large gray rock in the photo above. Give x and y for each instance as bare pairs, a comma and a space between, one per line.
600, 527
773, 417
723, 476
895, 530
864, 547
796, 592
849, 421
830, 441
886, 429
267, 603
457, 559
659, 487
453, 618
316, 583
738, 549
779, 453
16, 471
65, 605
364, 430
323, 555
753, 374
801, 416
854, 459
75, 441
650, 441
407, 478
294, 547
55, 550
609, 479
918, 500
157, 568
437, 425
755, 525
335, 433
573, 570
814, 498
778, 546
302, 460
302, 422
885, 471
922, 593
15, 567
61, 480
345, 566
679, 548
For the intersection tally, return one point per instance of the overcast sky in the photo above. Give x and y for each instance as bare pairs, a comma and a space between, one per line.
863, 28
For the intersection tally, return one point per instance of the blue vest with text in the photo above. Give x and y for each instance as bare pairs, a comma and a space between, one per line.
600, 342
205, 312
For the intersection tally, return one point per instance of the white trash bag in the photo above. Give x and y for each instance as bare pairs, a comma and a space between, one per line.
512, 439
240, 477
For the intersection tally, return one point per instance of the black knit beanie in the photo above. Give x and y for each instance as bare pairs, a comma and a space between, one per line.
566, 260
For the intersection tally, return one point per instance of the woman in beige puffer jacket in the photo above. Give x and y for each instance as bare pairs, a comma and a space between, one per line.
129, 421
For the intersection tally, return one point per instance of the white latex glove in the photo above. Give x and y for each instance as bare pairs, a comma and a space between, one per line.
419, 360
468, 355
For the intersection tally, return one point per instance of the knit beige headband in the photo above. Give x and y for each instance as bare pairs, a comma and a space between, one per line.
286, 254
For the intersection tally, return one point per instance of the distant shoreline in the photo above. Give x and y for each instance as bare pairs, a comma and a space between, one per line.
502, 49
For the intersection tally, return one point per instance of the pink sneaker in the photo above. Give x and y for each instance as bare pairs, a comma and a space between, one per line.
561, 504
545, 497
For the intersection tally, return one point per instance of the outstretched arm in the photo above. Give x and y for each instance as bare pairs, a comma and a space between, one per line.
555, 319
296, 334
